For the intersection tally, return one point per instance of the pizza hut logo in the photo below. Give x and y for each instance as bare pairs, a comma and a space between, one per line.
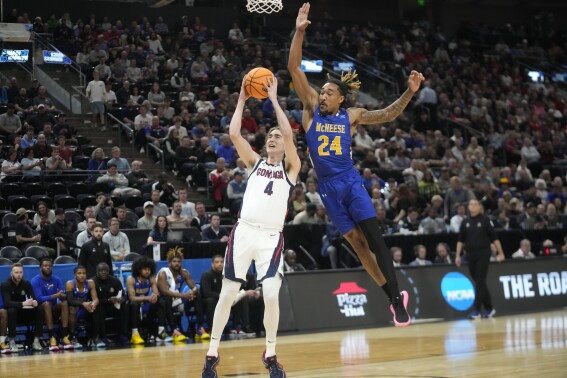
351, 299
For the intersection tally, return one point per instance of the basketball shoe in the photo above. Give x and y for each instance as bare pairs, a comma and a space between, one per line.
399, 308
474, 315
67, 344
210, 368
201, 334
489, 313
271, 363
53, 345
137, 339
178, 336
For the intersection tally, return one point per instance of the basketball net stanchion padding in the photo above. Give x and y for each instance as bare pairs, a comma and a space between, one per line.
264, 6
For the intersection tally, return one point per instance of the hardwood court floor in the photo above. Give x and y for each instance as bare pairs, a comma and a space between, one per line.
530, 345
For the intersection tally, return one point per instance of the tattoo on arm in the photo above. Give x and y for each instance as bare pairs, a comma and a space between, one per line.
387, 114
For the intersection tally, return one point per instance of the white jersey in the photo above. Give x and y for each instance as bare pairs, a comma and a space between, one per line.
266, 197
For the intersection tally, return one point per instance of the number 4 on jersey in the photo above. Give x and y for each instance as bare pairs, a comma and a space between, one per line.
269, 188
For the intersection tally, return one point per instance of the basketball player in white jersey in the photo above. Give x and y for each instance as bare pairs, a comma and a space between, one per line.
258, 233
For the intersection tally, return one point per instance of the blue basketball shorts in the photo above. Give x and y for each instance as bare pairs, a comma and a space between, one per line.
346, 201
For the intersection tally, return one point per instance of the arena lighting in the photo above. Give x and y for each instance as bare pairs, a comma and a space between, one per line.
158, 3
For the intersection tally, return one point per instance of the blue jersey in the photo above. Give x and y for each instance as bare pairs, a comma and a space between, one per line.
81, 295
142, 288
329, 142
44, 289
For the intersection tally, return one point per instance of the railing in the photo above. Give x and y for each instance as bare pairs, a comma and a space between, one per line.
158, 151
46, 45
122, 127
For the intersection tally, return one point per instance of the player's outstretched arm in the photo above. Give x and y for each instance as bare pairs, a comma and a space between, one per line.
242, 146
307, 95
293, 164
364, 117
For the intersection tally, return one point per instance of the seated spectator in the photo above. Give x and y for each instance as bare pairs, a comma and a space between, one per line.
62, 128
112, 302
138, 286
456, 195
409, 224
307, 216
117, 240
28, 139
187, 207
158, 234
214, 232
148, 220
11, 165
432, 224
117, 182
43, 216
159, 207
170, 280
21, 306
420, 253
83, 301
42, 99
61, 233
552, 219
40, 119
226, 150
50, 294
97, 162
10, 123
290, 262
87, 234
139, 179
25, 235
125, 222
524, 252
55, 162
104, 208
202, 218
312, 195
122, 165
88, 213
457, 219
31, 166
442, 254
176, 219
397, 256
235, 192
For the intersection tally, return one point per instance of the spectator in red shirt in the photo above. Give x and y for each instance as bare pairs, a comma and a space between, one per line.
248, 122
220, 178
64, 152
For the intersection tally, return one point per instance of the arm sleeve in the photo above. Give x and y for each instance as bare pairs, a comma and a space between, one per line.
38, 292
7, 297
206, 287
72, 300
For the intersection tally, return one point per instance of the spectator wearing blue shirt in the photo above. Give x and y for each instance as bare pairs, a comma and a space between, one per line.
122, 164
28, 140
268, 108
235, 191
215, 232
420, 256
226, 150
50, 294
158, 234
297, 112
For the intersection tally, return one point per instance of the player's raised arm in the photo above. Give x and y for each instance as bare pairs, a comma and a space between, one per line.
293, 164
242, 146
364, 117
306, 94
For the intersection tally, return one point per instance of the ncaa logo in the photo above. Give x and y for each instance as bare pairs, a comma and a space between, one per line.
458, 291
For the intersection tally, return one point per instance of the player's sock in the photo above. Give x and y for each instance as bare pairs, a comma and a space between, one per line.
160, 330
64, 332
134, 330
222, 312
50, 333
387, 290
2, 339
271, 292
371, 230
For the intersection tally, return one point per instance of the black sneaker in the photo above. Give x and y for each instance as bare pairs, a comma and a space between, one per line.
399, 310
210, 368
271, 363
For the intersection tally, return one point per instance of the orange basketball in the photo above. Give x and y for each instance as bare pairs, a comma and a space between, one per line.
254, 83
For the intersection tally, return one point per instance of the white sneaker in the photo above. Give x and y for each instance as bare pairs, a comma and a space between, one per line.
142, 150
36, 346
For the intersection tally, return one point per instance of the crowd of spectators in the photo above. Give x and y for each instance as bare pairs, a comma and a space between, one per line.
480, 127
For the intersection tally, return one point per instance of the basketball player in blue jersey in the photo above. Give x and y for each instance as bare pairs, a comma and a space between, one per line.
83, 301
258, 233
329, 126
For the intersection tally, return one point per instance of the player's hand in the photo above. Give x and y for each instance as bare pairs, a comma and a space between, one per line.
302, 22
272, 88
27, 302
458, 261
244, 95
500, 257
414, 81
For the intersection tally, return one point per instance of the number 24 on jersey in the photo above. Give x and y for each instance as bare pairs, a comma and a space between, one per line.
324, 147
